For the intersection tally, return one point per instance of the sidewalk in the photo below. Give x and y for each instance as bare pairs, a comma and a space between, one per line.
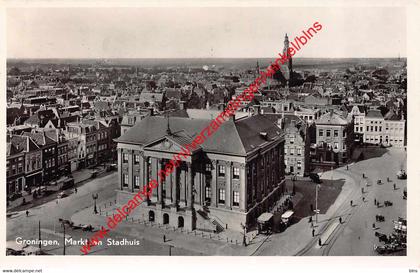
225, 243
78, 176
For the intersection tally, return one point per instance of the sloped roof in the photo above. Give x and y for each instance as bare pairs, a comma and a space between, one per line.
238, 137
332, 118
39, 138
374, 114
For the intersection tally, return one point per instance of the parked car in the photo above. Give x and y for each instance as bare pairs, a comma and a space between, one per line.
402, 174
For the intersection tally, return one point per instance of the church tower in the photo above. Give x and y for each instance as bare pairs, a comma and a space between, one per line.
289, 70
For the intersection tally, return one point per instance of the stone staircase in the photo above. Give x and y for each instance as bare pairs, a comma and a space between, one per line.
206, 222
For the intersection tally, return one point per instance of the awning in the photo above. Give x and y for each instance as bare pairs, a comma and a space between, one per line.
265, 217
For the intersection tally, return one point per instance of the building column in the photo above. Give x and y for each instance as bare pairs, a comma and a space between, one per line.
190, 183
142, 172
214, 183
120, 165
160, 166
198, 184
243, 188
154, 166
183, 184
130, 171
168, 187
175, 180
228, 185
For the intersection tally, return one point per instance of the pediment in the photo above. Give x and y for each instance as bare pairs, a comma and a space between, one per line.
164, 145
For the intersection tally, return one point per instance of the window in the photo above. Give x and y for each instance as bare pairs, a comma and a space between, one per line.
221, 196
136, 181
344, 133
208, 168
236, 198
136, 159
321, 132
125, 158
125, 180
235, 173
328, 133
335, 145
208, 193
299, 165
299, 151
292, 139
335, 133
367, 128
292, 151
222, 171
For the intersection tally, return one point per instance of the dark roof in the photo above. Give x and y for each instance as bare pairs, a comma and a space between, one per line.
238, 137
393, 115
39, 138
374, 114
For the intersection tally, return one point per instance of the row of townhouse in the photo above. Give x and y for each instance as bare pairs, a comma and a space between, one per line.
35, 158
91, 142
374, 128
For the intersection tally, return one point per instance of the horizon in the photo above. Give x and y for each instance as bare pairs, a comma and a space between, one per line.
217, 32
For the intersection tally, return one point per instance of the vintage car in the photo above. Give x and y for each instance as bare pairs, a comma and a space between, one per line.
402, 174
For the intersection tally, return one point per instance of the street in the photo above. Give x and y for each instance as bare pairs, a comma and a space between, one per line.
354, 236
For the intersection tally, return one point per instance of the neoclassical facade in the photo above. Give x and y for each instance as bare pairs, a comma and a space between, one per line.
229, 180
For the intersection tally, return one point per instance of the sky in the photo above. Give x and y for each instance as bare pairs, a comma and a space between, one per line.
194, 32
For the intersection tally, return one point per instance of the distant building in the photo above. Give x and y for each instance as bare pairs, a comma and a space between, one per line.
395, 129
87, 144
374, 127
334, 140
297, 146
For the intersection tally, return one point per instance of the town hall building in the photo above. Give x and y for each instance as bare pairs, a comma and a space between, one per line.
228, 181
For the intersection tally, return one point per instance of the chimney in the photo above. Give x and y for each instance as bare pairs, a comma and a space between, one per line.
151, 111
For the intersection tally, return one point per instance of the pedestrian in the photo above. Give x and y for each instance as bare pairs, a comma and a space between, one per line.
341, 220
313, 232
347, 167
395, 187
373, 226
351, 203
387, 179
27, 213
310, 219
363, 175
75, 190
319, 242
164, 238
375, 201
363, 190
363, 199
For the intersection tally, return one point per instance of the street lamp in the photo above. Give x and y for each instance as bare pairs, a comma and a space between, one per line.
94, 197
316, 202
